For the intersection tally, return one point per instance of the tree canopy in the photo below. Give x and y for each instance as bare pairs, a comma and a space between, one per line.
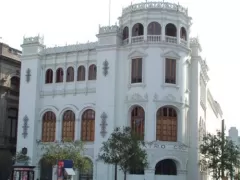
67, 150
220, 155
123, 148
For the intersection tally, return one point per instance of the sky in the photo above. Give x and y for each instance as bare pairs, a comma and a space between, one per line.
62, 21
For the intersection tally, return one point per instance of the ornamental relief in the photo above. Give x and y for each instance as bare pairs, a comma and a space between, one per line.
169, 99
136, 97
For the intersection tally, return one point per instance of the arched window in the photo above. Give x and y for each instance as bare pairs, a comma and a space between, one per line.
183, 33
154, 28
171, 30
87, 174
12, 120
137, 30
92, 72
137, 121
59, 75
48, 127
166, 128
81, 73
15, 82
68, 125
166, 167
88, 125
49, 76
125, 33
70, 74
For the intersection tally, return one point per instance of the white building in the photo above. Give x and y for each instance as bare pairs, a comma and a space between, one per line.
146, 73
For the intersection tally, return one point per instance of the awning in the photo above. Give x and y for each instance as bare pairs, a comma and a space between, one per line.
69, 171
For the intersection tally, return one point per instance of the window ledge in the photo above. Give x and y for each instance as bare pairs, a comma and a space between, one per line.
130, 85
170, 85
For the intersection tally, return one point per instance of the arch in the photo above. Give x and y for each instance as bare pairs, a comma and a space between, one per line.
15, 82
166, 124
88, 125
48, 108
137, 30
48, 127
166, 167
92, 72
81, 73
59, 75
183, 33
70, 74
171, 30
154, 28
68, 126
49, 76
46, 170
137, 121
125, 33
87, 174
68, 107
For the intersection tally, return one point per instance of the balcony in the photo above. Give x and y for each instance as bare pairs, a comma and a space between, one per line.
137, 39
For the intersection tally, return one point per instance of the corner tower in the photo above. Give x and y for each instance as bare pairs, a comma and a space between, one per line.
29, 94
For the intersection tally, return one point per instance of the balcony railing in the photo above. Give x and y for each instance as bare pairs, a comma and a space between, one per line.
154, 38
170, 39
137, 39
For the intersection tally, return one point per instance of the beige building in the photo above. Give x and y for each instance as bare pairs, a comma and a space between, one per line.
9, 96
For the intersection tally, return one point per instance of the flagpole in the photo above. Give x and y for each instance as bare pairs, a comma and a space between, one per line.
109, 13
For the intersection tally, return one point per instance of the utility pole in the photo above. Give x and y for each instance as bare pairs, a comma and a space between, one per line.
222, 149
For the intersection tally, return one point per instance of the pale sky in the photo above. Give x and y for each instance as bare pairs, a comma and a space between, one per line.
74, 21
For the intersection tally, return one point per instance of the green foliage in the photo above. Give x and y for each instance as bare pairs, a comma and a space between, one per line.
219, 154
20, 157
123, 148
67, 150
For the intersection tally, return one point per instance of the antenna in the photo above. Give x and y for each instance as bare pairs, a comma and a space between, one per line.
109, 12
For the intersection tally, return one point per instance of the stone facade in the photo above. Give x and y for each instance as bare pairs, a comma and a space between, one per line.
9, 99
144, 73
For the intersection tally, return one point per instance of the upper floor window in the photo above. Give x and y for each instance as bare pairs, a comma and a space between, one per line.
170, 71
137, 30
81, 73
49, 76
136, 70
154, 28
92, 72
59, 75
70, 74
183, 33
125, 33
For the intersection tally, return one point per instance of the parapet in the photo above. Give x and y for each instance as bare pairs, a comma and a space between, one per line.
33, 40
155, 5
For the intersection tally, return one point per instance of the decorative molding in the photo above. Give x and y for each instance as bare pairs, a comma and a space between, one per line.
110, 29
28, 75
155, 5
105, 68
182, 172
136, 53
166, 146
25, 126
103, 124
69, 91
171, 54
136, 97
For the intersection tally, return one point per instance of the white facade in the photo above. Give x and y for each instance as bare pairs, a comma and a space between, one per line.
113, 92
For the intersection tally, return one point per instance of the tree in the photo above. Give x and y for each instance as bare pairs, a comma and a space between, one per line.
219, 154
66, 150
124, 149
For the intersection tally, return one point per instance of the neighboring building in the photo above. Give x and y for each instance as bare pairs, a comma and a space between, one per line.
9, 90
145, 73
233, 135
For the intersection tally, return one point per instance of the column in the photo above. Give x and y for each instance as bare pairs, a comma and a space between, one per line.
150, 122
37, 172
178, 34
149, 174
54, 170
163, 32
76, 177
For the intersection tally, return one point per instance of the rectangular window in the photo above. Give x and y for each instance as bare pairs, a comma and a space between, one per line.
170, 71
136, 70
